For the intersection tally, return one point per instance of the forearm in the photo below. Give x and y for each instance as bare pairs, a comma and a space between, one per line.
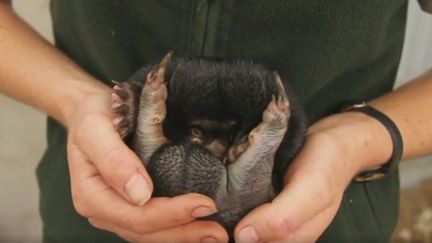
367, 141
410, 107
34, 72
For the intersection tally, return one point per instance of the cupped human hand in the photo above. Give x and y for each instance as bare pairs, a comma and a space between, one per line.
111, 188
336, 149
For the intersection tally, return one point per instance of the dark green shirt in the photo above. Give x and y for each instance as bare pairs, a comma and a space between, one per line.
330, 51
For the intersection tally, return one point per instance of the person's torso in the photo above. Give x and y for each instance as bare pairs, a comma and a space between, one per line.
329, 51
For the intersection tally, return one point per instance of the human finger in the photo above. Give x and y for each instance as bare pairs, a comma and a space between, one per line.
197, 231
93, 198
301, 200
117, 164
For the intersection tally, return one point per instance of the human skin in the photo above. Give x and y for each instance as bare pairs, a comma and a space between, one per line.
109, 183
34, 72
353, 142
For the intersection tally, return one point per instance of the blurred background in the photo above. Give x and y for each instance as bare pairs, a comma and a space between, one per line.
22, 141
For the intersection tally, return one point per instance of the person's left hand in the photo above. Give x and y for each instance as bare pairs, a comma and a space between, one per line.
336, 149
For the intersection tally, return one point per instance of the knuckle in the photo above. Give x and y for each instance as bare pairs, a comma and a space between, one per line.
273, 226
73, 153
95, 223
81, 207
281, 226
80, 204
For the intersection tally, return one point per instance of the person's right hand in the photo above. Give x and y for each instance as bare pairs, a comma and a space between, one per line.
111, 187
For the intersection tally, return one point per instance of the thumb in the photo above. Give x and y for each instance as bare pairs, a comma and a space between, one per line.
294, 206
119, 166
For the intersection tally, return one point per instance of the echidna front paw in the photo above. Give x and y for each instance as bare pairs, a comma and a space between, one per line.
123, 108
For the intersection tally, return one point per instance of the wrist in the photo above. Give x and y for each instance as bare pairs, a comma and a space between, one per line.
75, 92
363, 139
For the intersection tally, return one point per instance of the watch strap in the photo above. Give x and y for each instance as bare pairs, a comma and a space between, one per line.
396, 137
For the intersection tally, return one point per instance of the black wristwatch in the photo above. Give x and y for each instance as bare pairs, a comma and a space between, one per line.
393, 163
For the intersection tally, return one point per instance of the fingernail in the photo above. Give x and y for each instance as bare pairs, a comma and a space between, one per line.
247, 235
203, 211
137, 190
209, 239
